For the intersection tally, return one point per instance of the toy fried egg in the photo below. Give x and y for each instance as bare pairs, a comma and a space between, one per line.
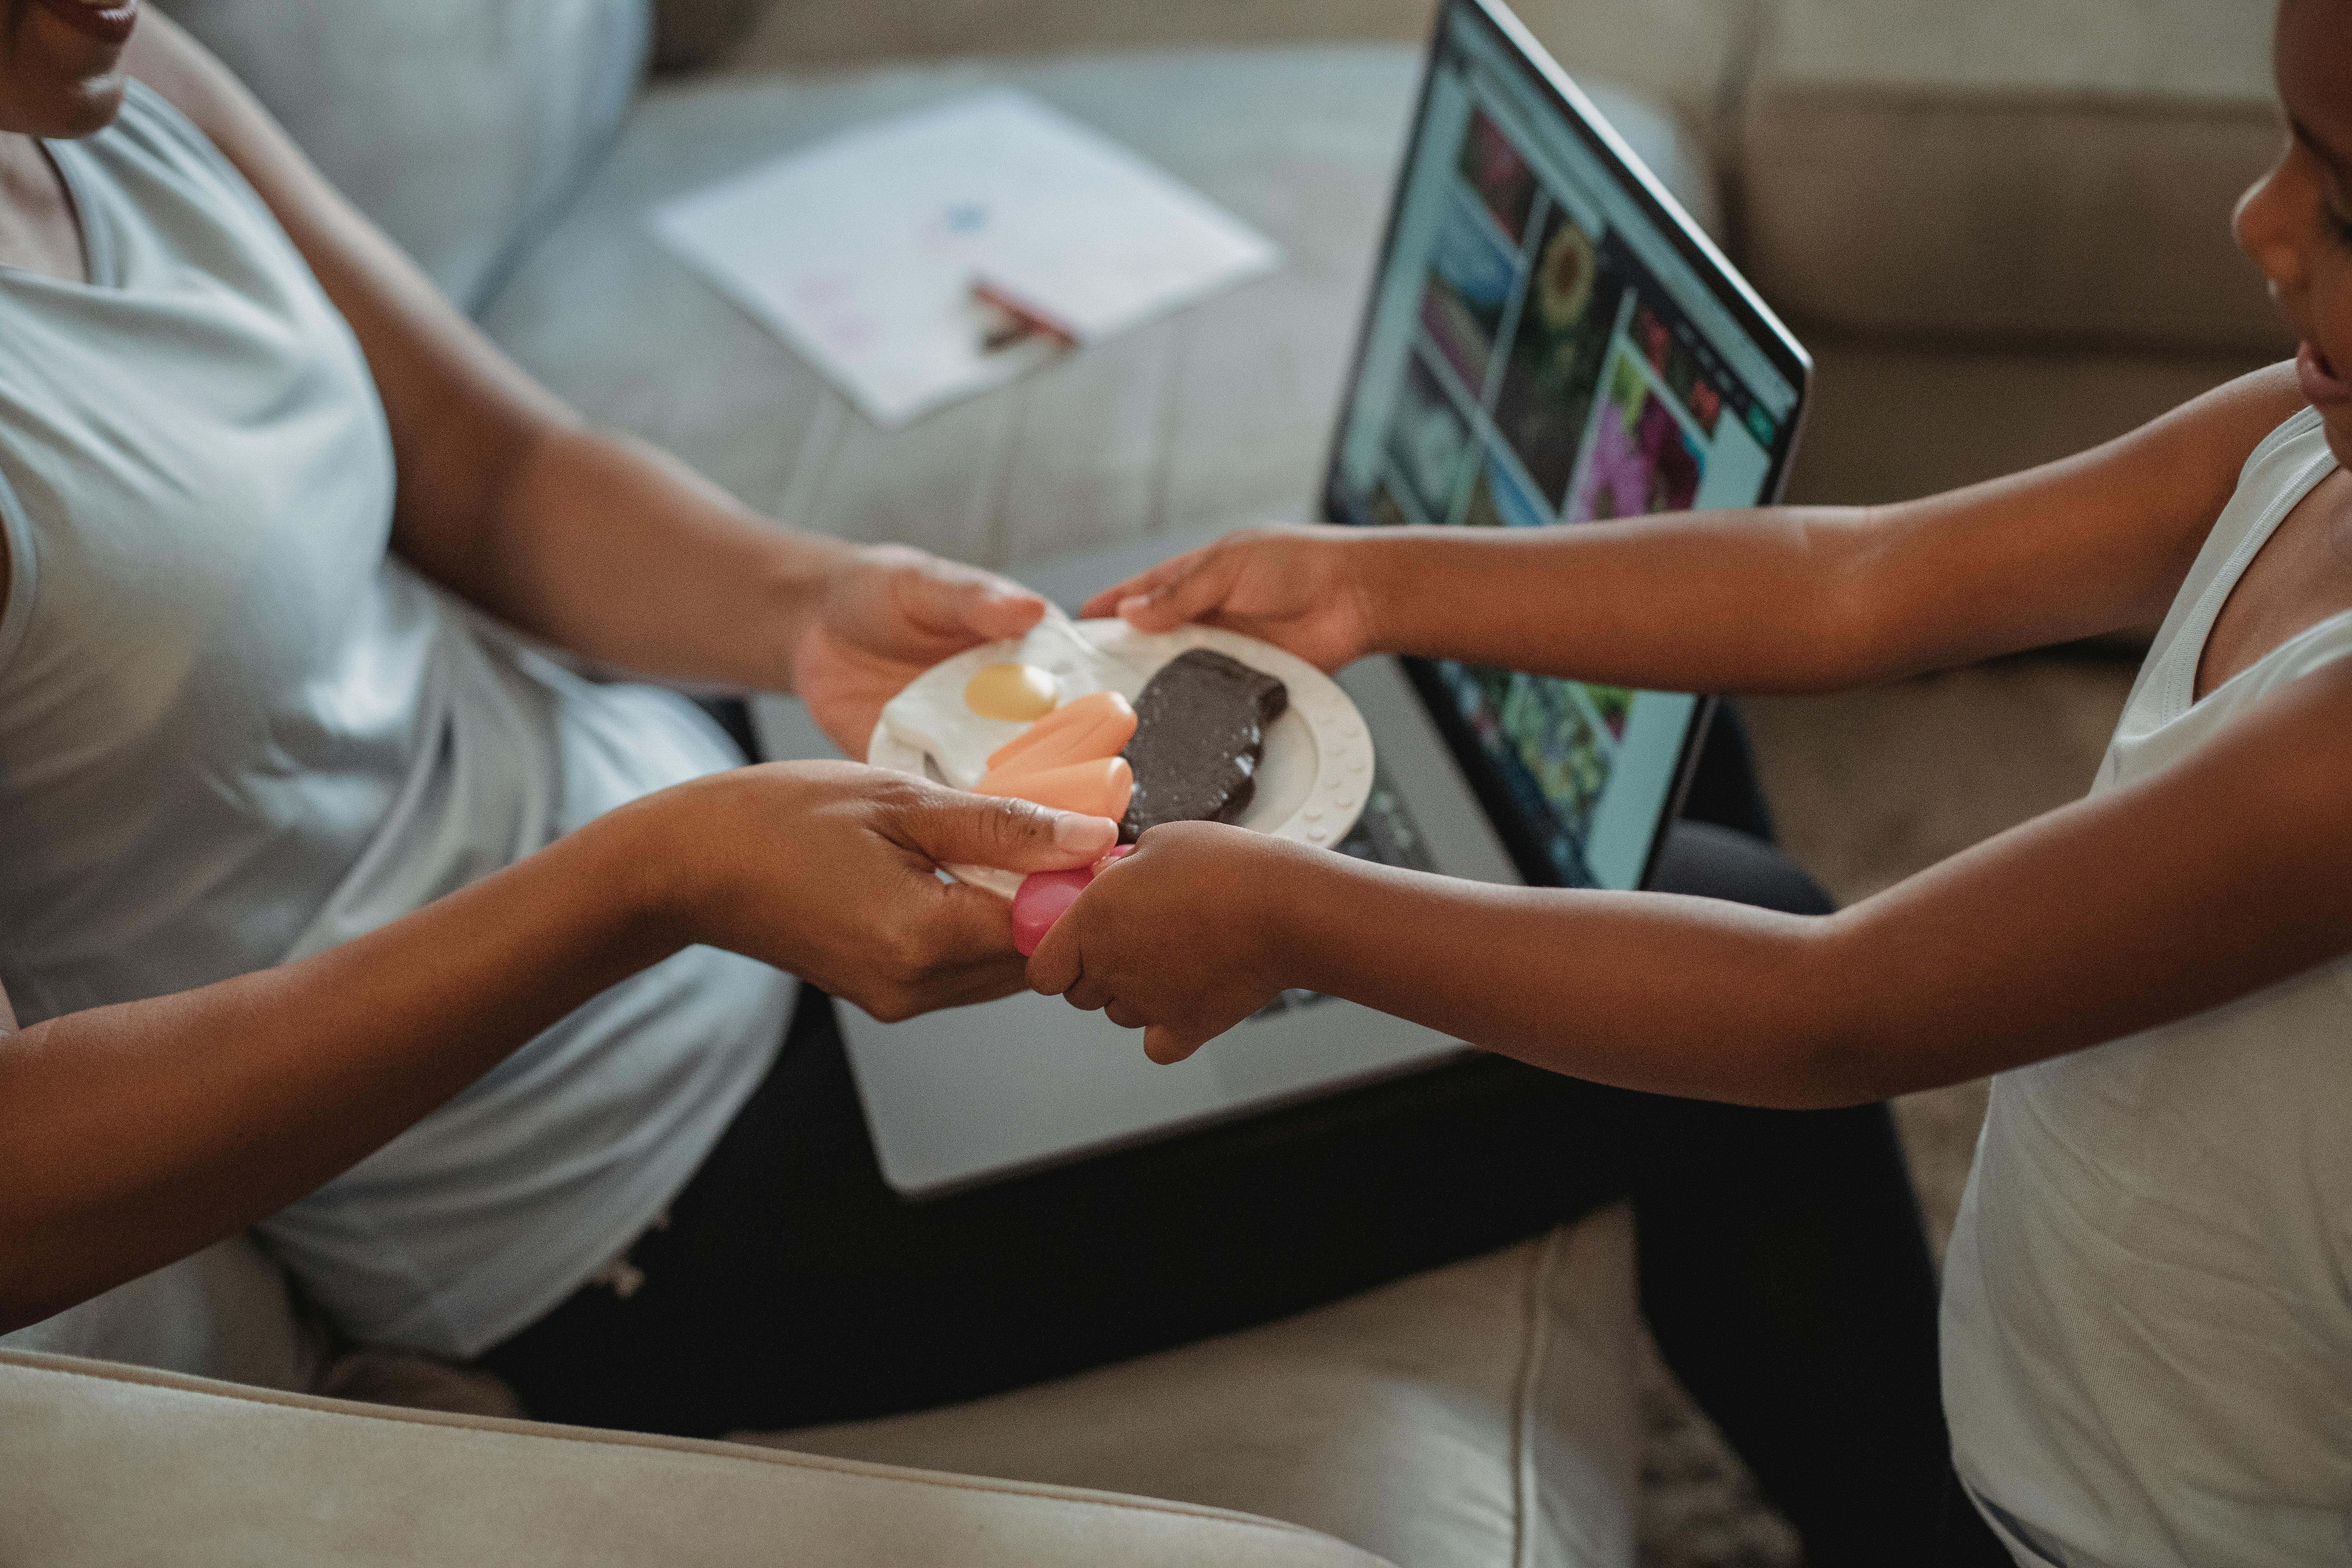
963, 723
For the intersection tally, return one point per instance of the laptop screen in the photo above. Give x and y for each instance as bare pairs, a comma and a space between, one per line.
1551, 340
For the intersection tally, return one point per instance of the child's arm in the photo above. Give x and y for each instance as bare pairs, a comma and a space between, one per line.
1779, 599
2227, 871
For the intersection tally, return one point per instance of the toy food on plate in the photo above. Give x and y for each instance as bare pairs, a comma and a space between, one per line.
1200, 734
959, 725
1094, 726
1069, 759
1019, 692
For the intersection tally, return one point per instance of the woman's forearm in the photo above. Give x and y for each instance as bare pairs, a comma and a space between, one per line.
614, 549
133, 1134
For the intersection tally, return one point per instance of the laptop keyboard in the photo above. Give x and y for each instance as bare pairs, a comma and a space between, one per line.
1386, 834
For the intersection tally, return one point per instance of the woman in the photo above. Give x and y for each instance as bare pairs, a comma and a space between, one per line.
343, 912
2148, 1325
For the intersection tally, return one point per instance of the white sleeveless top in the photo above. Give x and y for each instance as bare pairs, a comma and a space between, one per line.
2147, 1304
234, 731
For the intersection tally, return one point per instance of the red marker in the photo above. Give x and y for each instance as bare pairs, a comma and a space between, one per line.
1026, 320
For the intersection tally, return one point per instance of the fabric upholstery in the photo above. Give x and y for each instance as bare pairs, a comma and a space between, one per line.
225, 1313
102, 1465
2061, 171
460, 126
1221, 413
689, 33
1686, 56
1481, 1414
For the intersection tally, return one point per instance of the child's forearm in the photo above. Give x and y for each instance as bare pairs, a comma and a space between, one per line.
1673, 994
1723, 601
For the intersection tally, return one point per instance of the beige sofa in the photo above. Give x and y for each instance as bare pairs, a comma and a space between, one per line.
1937, 196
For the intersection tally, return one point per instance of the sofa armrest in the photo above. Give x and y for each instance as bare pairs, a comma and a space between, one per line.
108, 1464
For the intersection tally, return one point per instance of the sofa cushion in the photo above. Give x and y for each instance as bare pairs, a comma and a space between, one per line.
1476, 1414
2062, 170
102, 1465
460, 126
225, 1312
1682, 55
1221, 413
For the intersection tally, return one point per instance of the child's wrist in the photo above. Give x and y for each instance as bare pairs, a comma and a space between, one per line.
1291, 908
1374, 573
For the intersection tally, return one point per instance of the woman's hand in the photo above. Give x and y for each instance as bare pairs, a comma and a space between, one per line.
829, 870
1180, 939
133, 1134
886, 614
1308, 590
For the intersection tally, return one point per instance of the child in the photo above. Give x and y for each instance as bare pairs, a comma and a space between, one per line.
2147, 1307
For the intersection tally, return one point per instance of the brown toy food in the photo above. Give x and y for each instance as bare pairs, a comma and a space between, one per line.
1200, 735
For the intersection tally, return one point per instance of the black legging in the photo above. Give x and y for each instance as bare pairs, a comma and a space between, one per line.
1782, 1267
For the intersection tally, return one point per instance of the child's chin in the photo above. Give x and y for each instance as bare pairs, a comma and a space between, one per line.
2335, 423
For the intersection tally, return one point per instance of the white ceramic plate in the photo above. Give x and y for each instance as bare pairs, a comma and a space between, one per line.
1311, 783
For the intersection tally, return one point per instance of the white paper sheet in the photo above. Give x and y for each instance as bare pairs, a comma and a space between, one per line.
862, 250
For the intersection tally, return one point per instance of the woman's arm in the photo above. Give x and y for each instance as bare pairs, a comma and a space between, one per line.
2224, 873
1769, 599
597, 542
134, 1134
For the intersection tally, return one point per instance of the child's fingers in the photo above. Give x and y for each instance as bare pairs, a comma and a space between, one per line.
1054, 967
1108, 601
1089, 993
1199, 591
1167, 1044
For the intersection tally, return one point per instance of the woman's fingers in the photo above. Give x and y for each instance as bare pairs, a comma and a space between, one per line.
965, 604
951, 828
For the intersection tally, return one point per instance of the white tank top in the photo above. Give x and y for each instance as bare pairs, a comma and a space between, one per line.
2147, 1304
234, 731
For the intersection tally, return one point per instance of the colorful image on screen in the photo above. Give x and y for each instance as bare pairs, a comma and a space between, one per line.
1534, 359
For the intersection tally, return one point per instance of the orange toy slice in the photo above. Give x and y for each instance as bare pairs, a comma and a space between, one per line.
1100, 787
1083, 731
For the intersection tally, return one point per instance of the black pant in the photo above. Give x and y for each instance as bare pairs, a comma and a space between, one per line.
1782, 1266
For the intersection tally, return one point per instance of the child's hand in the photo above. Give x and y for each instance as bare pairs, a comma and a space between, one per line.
1303, 589
1180, 939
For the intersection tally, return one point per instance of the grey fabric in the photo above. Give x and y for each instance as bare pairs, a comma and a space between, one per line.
460, 126
224, 1313
2060, 171
103, 1466
1217, 414
689, 33
1478, 1414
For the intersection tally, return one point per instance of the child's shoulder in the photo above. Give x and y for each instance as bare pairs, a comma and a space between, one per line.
2293, 438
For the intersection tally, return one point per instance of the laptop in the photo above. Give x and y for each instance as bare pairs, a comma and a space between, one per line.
1549, 338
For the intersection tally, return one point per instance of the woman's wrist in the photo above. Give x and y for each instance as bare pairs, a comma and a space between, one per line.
644, 869
801, 569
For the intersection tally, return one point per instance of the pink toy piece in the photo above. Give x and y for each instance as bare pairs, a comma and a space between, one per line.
1046, 896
